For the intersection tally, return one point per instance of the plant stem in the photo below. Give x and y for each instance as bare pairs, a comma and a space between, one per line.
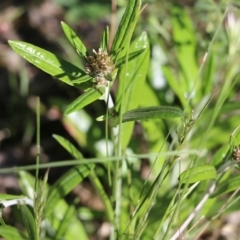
201, 203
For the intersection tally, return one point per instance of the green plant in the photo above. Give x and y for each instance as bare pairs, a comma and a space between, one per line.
186, 180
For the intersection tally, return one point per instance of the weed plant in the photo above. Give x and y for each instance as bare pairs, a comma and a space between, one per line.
191, 132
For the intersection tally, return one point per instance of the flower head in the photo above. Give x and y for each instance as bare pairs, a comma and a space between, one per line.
99, 65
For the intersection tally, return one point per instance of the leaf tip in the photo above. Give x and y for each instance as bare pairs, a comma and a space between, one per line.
10, 42
63, 23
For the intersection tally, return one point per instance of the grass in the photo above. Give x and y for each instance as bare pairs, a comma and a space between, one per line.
188, 139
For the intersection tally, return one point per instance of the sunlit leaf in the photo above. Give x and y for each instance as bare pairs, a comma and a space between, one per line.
91, 95
105, 39
27, 183
131, 81
126, 27
199, 173
74, 40
4, 196
49, 63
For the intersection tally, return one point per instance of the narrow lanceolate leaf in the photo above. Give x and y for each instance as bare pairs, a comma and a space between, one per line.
65, 184
28, 222
199, 173
49, 62
126, 27
68, 146
10, 233
91, 95
131, 56
4, 196
105, 40
163, 112
74, 40
83, 81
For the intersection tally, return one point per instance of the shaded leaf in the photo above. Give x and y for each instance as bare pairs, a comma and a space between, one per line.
68, 225
10, 233
184, 37
229, 185
65, 184
164, 112
219, 156
147, 113
131, 56
29, 222
173, 82
68, 146
66, 222
91, 95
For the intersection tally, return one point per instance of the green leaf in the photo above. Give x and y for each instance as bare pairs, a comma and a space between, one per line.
50, 63
229, 185
28, 222
65, 184
10, 233
68, 146
184, 37
208, 74
27, 183
154, 130
91, 95
4, 196
74, 40
126, 27
199, 173
173, 82
131, 81
105, 39
68, 225
163, 112
219, 156
131, 56
67, 222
